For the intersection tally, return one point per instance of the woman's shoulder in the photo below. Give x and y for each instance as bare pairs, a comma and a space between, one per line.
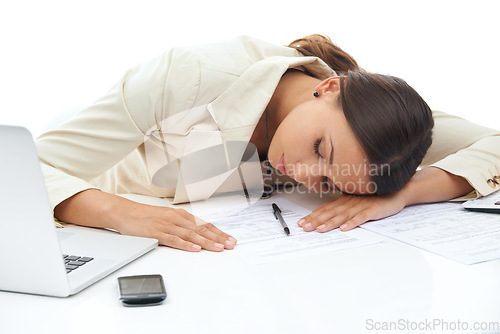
235, 55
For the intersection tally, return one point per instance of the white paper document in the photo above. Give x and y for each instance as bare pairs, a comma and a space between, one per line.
446, 229
261, 237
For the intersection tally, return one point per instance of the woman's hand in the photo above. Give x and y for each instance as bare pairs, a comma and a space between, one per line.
349, 211
428, 185
175, 228
172, 227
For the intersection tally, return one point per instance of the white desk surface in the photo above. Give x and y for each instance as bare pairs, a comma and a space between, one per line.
341, 292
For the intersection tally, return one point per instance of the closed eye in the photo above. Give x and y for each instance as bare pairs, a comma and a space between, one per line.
316, 148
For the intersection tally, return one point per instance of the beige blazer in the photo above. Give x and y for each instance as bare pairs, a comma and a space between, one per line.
177, 126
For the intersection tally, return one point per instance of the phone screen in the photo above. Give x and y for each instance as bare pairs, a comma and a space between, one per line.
141, 290
145, 284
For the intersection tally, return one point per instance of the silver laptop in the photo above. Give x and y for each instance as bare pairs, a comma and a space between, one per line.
35, 256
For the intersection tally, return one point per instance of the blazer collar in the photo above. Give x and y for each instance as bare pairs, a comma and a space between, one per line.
241, 105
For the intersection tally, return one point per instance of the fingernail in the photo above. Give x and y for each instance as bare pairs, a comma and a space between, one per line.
321, 227
301, 222
343, 227
218, 245
196, 247
308, 225
229, 243
232, 239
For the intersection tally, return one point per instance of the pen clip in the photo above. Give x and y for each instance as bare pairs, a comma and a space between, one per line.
276, 209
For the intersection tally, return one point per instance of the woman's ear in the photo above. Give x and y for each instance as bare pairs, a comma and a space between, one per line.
330, 85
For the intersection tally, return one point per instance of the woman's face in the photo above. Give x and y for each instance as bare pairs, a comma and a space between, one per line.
315, 146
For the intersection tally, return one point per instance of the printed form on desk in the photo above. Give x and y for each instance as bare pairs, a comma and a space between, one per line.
261, 237
446, 229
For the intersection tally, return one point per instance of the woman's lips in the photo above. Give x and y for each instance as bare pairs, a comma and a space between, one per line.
281, 165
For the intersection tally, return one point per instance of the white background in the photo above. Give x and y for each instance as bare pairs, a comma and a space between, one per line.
62, 55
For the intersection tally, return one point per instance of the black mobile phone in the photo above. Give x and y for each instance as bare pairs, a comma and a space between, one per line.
141, 290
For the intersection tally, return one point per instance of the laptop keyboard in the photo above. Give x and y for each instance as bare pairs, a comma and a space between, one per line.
74, 262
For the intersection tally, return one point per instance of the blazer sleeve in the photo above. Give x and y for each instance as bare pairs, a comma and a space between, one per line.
465, 149
101, 135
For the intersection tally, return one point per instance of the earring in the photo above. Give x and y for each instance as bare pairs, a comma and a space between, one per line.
316, 94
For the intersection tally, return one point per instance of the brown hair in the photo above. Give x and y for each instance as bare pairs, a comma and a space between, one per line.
322, 47
391, 121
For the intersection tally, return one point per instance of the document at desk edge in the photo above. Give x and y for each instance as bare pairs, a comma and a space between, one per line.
446, 229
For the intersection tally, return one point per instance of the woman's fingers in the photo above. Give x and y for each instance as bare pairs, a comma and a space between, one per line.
172, 227
336, 210
349, 211
329, 220
174, 241
361, 218
199, 227
190, 240
179, 229
354, 214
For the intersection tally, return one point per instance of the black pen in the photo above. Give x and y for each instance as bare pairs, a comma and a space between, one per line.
277, 214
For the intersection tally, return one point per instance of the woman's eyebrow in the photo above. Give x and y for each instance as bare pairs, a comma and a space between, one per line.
330, 161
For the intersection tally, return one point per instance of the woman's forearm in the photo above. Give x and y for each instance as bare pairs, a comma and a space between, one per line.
426, 186
172, 227
92, 208
432, 184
